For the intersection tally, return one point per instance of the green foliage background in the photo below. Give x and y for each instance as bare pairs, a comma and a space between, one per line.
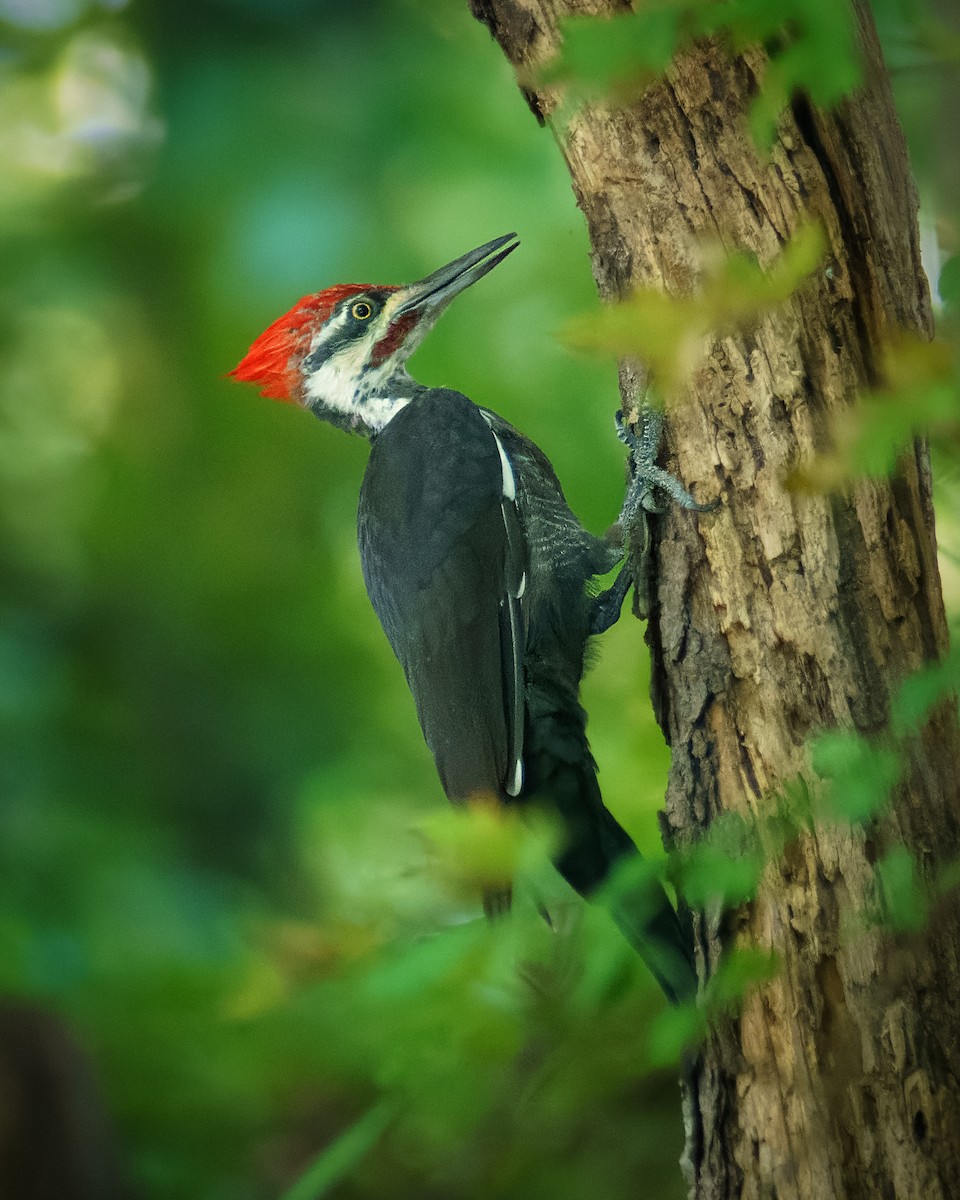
213, 862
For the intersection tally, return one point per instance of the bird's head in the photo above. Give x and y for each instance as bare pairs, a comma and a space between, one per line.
341, 352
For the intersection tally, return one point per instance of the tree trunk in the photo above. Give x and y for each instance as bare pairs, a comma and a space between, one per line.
783, 614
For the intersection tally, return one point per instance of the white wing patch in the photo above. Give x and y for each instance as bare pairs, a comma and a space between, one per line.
509, 482
510, 601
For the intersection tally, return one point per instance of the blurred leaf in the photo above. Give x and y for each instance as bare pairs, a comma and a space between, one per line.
340, 1158
923, 690
725, 866
616, 54
860, 774
922, 394
674, 1030
741, 972
811, 45
948, 284
905, 906
404, 971
483, 845
608, 968
812, 49
671, 333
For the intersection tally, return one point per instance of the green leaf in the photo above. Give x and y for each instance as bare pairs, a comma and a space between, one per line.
919, 694
739, 973
921, 393
810, 43
674, 1030
948, 284
860, 775
407, 973
603, 54
725, 866
670, 333
339, 1158
905, 906
483, 844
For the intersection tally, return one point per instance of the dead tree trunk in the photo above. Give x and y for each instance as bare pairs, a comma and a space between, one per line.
784, 614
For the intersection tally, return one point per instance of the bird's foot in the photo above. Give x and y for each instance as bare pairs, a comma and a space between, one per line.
651, 488
649, 492
605, 609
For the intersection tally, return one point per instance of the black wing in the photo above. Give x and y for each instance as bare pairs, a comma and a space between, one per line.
443, 559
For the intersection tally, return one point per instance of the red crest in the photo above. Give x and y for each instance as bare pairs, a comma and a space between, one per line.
274, 358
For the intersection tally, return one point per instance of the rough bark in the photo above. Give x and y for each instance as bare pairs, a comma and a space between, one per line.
783, 614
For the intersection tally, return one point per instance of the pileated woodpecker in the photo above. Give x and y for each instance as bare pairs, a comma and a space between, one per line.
478, 570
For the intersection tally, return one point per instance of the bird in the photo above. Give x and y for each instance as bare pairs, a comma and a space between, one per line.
483, 579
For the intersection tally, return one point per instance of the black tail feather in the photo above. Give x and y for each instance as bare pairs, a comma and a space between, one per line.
561, 771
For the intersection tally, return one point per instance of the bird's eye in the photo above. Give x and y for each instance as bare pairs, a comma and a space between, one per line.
362, 311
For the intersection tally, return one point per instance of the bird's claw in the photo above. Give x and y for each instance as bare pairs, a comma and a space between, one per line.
651, 487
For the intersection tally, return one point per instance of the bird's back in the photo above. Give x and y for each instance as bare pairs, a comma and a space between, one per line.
432, 546
479, 573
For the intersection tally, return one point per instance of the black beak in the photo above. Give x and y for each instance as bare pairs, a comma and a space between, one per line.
439, 288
